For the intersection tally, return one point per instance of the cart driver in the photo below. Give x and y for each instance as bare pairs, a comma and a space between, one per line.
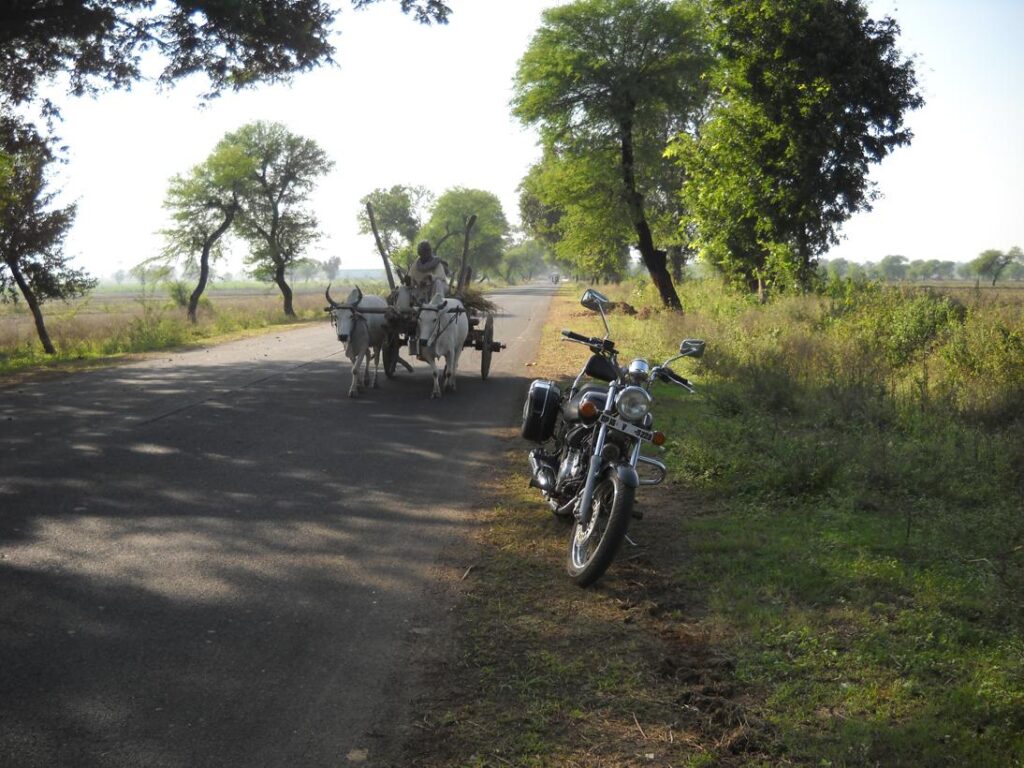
429, 269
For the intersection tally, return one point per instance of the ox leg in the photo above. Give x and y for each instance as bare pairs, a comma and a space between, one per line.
437, 386
451, 368
353, 390
376, 365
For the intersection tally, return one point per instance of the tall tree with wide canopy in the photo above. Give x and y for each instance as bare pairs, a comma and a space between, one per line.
203, 205
32, 229
598, 76
446, 228
274, 217
810, 93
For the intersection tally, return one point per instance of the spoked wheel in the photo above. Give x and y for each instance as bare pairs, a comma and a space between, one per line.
391, 349
486, 351
592, 547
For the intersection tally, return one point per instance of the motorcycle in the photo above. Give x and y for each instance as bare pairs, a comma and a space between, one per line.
589, 443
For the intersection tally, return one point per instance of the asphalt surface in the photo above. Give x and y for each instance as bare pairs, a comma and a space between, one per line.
217, 558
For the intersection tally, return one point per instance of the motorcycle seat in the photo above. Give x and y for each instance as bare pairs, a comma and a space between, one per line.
595, 393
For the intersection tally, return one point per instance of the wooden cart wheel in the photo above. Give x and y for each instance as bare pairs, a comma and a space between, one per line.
391, 348
485, 352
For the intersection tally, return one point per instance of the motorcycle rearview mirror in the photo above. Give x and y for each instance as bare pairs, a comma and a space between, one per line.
596, 301
692, 348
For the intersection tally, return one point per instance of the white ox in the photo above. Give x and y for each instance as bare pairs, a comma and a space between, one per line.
362, 333
441, 329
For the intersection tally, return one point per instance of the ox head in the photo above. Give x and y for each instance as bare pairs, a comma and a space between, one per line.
429, 320
346, 314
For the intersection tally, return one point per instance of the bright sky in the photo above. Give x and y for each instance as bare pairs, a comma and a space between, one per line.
415, 105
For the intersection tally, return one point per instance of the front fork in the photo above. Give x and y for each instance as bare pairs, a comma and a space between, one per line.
583, 510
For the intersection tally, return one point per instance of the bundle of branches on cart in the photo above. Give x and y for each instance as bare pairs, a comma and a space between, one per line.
474, 299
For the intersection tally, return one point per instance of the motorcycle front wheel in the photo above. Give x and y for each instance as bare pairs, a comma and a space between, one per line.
592, 547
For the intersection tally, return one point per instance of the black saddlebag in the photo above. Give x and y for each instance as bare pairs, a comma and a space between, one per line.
540, 410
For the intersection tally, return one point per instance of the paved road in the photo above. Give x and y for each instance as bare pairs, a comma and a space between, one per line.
216, 558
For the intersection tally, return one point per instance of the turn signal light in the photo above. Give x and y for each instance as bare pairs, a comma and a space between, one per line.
588, 411
659, 438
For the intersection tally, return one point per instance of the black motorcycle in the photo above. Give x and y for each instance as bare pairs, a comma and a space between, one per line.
590, 439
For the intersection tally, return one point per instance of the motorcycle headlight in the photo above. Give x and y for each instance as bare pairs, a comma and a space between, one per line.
633, 403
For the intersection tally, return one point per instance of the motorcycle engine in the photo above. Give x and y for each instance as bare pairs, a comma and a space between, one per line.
571, 470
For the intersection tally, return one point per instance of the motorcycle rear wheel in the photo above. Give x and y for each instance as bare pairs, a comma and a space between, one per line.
592, 548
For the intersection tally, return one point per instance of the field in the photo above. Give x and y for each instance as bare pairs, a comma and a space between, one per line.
834, 575
116, 320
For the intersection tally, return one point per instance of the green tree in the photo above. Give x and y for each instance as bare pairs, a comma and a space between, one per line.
1015, 271
893, 267
590, 227
523, 260
838, 268
809, 94
32, 229
203, 205
990, 264
306, 269
331, 267
399, 213
274, 218
447, 226
601, 78
234, 44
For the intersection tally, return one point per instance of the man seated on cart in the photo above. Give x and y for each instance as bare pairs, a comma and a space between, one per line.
428, 274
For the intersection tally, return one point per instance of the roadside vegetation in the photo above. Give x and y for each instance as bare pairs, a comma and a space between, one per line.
833, 575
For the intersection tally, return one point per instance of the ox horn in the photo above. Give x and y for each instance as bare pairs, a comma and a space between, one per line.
330, 301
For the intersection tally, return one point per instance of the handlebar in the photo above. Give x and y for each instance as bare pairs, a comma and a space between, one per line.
669, 375
573, 336
595, 344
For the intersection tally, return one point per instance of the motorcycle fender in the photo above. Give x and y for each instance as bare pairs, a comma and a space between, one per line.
627, 474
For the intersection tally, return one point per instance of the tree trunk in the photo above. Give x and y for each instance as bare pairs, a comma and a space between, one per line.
204, 275
33, 304
204, 266
286, 291
380, 246
655, 260
678, 260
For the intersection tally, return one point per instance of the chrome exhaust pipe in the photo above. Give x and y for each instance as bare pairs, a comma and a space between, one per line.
543, 473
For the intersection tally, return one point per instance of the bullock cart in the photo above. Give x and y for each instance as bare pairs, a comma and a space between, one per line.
402, 312
401, 316
401, 325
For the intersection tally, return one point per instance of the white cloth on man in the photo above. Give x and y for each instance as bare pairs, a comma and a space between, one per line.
430, 275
